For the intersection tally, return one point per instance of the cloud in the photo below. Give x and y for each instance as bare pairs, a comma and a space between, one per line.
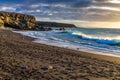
73, 3
104, 8
114, 1
108, 1
7, 9
82, 3
87, 10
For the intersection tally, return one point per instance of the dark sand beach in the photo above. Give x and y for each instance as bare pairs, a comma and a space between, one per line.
21, 59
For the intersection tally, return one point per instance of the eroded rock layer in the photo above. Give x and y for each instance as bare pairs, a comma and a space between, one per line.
17, 20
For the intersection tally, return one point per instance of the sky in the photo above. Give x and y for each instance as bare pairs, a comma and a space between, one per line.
82, 13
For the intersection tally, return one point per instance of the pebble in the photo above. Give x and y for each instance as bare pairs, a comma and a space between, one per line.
86, 79
47, 67
69, 68
23, 66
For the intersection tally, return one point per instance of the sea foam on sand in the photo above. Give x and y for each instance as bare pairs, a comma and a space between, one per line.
44, 39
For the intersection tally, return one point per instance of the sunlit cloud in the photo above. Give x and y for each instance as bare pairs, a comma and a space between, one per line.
7, 9
86, 24
79, 12
114, 1
35, 5
104, 8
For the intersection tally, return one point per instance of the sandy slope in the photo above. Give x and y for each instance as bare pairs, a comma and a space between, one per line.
21, 59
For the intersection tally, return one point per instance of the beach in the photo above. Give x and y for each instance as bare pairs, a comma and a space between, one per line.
22, 59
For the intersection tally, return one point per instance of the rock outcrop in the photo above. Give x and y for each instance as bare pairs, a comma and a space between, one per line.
17, 20
28, 22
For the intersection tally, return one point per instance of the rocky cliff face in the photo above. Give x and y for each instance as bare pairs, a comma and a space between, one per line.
17, 21
27, 22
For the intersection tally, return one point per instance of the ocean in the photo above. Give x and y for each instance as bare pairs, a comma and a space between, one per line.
92, 40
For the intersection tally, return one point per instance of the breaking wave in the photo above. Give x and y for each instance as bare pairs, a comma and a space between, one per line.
111, 40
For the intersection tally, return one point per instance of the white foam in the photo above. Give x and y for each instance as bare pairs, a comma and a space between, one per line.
79, 48
103, 37
44, 39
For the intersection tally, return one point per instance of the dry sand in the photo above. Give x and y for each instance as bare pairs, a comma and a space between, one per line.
21, 59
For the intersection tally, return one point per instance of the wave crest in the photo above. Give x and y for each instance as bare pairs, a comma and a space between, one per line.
111, 40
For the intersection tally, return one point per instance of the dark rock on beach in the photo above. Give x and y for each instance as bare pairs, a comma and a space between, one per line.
47, 67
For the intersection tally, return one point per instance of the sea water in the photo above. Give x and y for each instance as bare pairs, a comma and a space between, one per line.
94, 40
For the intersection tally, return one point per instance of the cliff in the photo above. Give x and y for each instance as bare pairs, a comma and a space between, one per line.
27, 22
17, 20
54, 24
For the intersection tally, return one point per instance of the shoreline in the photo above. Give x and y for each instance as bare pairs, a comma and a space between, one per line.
81, 50
90, 54
21, 58
93, 54
91, 51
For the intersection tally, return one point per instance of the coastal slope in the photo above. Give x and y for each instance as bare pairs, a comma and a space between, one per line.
21, 59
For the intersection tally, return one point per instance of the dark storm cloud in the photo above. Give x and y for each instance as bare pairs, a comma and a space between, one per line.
64, 9
72, 3
101, 0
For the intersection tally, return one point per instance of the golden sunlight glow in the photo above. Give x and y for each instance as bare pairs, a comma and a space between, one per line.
101, 24
104, 8
87, 24
115, 1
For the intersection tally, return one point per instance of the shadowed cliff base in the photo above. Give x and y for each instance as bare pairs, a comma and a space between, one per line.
21, 59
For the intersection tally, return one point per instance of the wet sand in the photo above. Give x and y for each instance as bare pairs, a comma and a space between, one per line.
21, 59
